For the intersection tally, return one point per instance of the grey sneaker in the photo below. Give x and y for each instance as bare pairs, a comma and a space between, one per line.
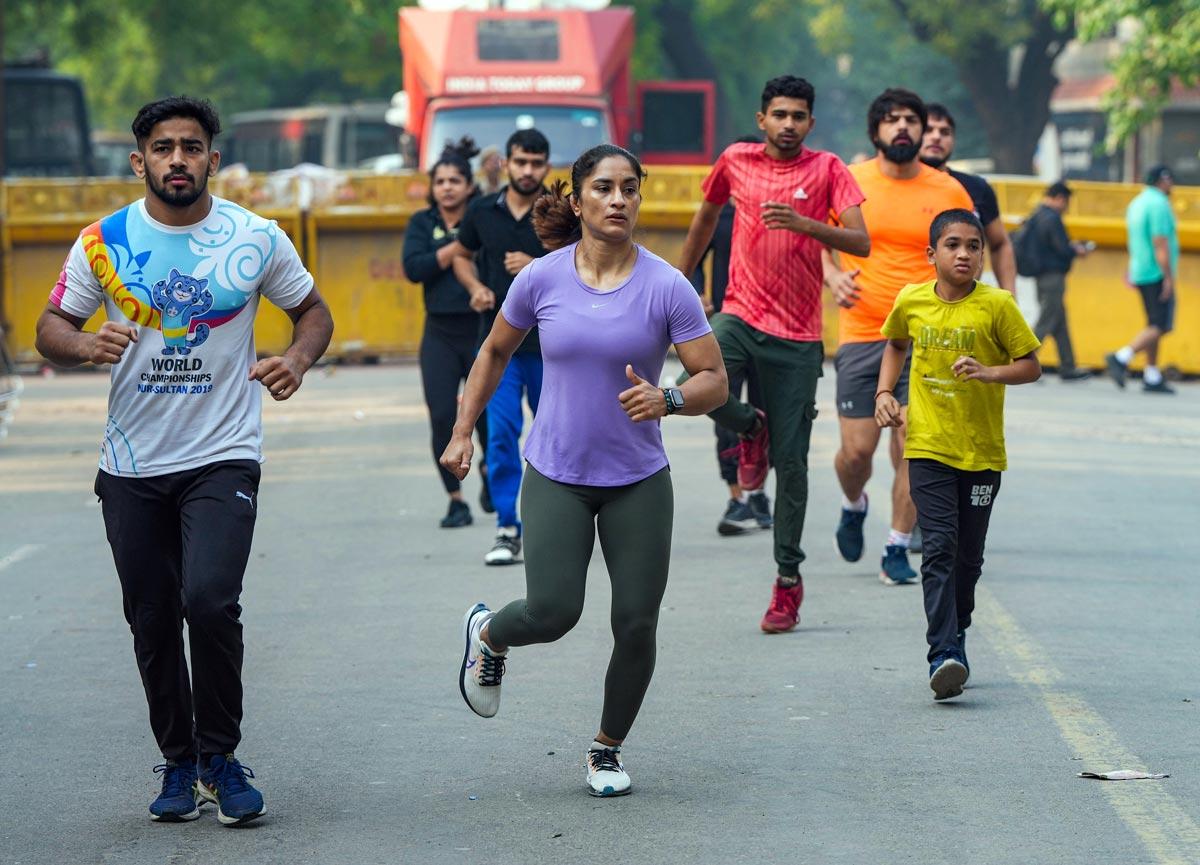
482, 669
507, 549
947, 675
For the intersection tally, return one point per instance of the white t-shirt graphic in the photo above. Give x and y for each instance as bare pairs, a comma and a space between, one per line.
181, 396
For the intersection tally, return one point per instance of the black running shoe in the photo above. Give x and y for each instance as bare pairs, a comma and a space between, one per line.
485, 495
458, 516
760, 505
1115, 369
1158, 387
737, 519
849, 534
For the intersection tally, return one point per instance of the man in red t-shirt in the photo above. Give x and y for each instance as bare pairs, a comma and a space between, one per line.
771, 319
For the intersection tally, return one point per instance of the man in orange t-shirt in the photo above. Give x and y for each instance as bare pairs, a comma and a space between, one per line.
903, 195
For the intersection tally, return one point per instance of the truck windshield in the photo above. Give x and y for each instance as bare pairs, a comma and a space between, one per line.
570, 130
45, 126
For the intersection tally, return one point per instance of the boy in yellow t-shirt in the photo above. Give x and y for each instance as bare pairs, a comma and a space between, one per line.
968, 341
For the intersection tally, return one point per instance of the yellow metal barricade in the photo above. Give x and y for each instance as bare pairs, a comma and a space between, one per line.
352, 243
40, 219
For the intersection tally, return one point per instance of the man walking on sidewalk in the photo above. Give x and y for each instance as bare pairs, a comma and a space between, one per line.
1153, 267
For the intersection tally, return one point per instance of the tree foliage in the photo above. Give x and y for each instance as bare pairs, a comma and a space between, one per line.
1164, 50
1002, 51
991, 61
847, 50
240, 55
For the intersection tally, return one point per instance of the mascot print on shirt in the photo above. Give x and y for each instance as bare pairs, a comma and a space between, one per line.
212, 271
180, 298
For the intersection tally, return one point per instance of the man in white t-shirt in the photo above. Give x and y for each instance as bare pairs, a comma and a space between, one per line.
179, 274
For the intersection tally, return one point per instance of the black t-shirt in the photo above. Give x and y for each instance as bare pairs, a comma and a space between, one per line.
982, 195
488, 229
425, 235
719, 246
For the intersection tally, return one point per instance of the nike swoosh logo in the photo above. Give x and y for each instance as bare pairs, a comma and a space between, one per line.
598, 305
471, 663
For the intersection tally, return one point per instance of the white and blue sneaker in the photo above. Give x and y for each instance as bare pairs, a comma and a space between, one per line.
482, 669
606, 775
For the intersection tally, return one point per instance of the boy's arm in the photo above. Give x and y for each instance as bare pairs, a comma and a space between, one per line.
887, 407
1022, 370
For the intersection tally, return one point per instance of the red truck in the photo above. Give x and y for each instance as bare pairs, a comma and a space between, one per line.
563, 71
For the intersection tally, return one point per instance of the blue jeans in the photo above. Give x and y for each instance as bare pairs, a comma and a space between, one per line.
505, 419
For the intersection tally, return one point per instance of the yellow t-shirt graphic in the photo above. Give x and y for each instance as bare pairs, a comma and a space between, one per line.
952, 420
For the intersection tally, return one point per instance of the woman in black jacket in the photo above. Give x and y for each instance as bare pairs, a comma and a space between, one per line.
451, 327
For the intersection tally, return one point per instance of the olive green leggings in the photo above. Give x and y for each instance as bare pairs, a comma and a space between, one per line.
560, 526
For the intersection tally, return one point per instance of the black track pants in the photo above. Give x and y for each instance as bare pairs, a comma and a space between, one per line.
447, 352
953, 510
180, 543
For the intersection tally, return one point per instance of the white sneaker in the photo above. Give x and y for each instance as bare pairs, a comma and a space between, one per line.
507, 549
606, 776
482, 669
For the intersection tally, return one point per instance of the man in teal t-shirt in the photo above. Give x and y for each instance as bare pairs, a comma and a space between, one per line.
1153, 266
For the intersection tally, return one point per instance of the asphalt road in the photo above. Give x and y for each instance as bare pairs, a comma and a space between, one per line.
820, 746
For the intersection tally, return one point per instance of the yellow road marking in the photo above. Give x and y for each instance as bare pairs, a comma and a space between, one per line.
1168, 832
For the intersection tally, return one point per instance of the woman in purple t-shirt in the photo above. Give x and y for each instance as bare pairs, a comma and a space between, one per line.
607, 311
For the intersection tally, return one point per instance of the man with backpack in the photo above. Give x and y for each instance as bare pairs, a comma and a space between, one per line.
1045, 252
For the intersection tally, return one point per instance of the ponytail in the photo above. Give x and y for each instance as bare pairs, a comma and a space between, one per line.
554, 221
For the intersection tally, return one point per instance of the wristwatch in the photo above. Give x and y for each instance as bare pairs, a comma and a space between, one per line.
674, 398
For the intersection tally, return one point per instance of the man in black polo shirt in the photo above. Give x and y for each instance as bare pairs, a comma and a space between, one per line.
497, 232
936, 149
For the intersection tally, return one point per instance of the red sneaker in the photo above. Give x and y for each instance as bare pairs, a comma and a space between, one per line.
754, 457
784, 612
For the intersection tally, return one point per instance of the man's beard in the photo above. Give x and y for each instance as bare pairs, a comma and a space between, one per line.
181, 198
899, 153
524, 185
935, 161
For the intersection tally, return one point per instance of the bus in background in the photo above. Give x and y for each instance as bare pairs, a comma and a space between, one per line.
46, 132
335, 136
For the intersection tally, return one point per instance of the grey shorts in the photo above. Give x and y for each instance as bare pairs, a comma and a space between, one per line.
857, 366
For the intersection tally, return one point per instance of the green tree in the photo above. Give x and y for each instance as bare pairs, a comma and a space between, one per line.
1003, 52
240, 55
1164, 50
849, 57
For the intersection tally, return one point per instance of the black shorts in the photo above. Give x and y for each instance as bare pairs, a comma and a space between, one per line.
1159, 313
857, 365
